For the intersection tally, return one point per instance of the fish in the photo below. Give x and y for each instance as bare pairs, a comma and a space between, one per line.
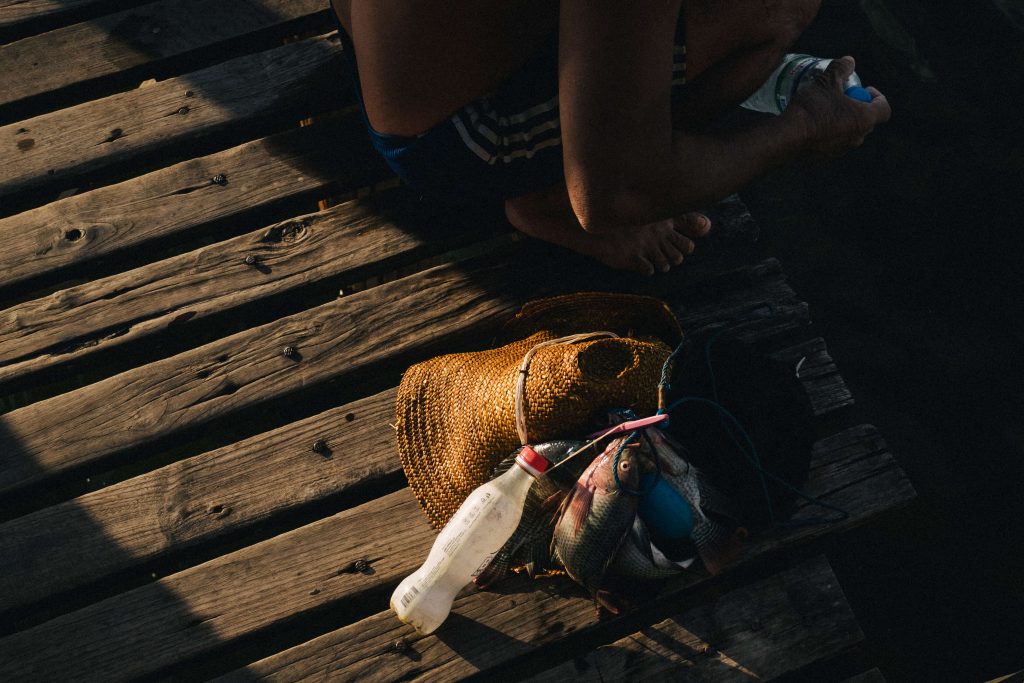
717, 532
529, 546
595, 517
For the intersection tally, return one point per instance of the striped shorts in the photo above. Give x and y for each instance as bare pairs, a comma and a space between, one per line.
505, 144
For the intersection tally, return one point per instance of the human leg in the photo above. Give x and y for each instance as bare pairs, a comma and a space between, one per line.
731, 48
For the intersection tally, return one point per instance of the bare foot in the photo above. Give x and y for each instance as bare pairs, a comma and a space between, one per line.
645, 249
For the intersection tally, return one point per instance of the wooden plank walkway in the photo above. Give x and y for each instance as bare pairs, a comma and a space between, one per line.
198, 369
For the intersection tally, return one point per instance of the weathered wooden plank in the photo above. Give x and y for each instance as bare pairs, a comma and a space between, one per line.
191, 612
309, 570
63, 547
813, 366
761, 631
117, 44
490, 630
16, 12
331, 154
301, 77
92, 423
76, 322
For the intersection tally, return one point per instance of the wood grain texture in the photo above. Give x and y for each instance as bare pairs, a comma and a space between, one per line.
200, 609
331, 154
297, 573
197, 500
60, 548
298, 77
761, 631
813, 366
488, 630
185, 289
15, 12
122, 41
191, 388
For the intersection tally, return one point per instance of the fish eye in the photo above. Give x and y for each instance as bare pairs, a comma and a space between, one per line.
624, 465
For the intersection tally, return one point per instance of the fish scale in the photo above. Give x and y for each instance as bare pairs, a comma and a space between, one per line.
596, 516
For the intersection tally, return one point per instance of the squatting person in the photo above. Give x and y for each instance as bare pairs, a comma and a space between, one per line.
590, 119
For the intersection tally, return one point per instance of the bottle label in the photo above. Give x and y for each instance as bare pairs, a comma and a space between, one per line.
465, 520
483, 565
410, 595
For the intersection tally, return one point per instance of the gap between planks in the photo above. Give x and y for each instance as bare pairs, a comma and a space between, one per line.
157, 39
64, 547
269, 587
171, 120
330, 155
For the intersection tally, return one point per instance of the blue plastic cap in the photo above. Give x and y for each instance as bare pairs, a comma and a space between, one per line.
858, 93
664, 510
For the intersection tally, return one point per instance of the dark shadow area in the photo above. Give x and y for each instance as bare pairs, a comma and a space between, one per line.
908, 252
69, 12
169, 40
37, 655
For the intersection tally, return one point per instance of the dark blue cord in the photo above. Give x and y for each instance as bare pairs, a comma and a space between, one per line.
733, 426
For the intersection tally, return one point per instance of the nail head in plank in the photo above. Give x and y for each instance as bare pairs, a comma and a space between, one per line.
66, 546
299, 77
144, 35
271, 583
332, 153
490, 630
760, 631
72, 323
137, 406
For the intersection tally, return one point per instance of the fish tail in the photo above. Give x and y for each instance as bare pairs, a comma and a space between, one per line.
719, 545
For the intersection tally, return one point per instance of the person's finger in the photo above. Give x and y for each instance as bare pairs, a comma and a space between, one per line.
840, 69
880, 106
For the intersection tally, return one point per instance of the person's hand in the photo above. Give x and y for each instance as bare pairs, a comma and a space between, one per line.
835, 123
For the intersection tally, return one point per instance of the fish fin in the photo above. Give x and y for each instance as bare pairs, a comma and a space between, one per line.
495, 571
608, 601
578, 508
722, 549
714, 502
553, 501
538, 560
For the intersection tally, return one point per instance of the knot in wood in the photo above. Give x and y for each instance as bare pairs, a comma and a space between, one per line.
219, 179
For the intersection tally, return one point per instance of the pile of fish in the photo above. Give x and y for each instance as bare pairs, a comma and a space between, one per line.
594, 516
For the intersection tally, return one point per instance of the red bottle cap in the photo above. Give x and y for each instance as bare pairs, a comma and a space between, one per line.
532, 461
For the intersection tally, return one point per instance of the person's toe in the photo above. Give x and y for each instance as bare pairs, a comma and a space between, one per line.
682, 243
642, 265
693, 225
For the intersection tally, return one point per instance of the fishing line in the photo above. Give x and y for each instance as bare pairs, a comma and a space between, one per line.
733, 426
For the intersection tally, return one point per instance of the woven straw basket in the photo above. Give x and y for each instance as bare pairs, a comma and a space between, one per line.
455, 414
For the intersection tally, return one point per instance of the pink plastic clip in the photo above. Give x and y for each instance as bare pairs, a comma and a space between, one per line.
630, 426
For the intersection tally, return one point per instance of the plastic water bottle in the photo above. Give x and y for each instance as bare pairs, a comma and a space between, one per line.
467, 544
774, 96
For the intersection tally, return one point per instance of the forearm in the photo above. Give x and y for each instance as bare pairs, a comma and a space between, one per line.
696, 171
